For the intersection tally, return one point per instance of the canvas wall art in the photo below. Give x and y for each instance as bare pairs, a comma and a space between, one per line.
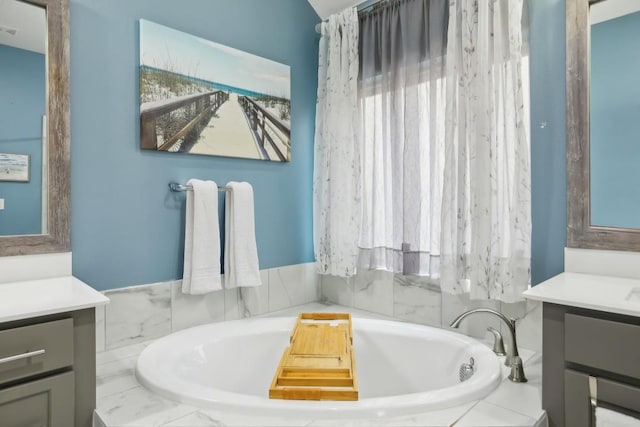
201, 97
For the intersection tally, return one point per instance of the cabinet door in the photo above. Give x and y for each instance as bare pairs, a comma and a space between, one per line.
577, 405
43, 403
578, 412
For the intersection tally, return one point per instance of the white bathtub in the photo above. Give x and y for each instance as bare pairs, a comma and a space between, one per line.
402, 368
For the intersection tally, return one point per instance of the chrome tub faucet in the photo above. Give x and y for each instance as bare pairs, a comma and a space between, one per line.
513, 359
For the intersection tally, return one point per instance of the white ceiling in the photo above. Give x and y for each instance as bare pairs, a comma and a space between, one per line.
27, 21
30, 22
602, 11
611, 9
324, 8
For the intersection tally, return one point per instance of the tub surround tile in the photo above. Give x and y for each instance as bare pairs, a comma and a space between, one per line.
311, 283
208, 418
116, 377
485, 414
193, 310
255, 301
195, 419
97, 421
286, 286
515, 310
144, 312
317, 307
524, 398
372, 422
231, 306
527, 355
120, 353
373, 291
138, 314
337, 290
140, 407
443, 417
292, 285
529, 327
100, 329
543, 421
415, 300
314, 307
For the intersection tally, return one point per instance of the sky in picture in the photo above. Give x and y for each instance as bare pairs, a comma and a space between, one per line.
172, 50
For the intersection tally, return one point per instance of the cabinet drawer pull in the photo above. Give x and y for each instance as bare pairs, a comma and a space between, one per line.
22, 356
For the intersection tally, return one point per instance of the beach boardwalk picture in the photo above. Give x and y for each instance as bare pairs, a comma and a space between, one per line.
201, 97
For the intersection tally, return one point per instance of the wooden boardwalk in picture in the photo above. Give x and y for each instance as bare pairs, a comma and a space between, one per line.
215, 123
228, 132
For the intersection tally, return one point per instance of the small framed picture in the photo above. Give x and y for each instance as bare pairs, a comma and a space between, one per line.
14, 167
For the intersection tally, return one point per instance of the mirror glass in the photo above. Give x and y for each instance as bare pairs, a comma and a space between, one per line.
23, 100
614, 150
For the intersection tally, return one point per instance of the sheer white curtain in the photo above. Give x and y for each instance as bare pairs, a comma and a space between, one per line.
443, 167
486, 220
402, 110
336, 181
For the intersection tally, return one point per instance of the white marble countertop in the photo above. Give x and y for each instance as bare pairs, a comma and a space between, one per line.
603, 293
31, 298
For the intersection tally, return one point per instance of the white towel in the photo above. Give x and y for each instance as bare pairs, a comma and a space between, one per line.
240, 251
608, 418
201, 239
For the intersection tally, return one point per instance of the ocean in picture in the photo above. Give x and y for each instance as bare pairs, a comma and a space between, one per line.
201, 97
14, 167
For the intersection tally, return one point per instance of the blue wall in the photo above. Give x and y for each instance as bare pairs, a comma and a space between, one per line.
22, 105
548, 137
615, 122
127, 228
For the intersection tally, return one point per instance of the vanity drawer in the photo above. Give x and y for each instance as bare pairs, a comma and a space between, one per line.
603, 344
35, 349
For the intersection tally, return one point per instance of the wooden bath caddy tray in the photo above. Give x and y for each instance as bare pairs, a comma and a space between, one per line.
319, 362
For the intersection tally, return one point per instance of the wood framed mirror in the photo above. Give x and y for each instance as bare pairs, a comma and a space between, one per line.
55, 236
582, 230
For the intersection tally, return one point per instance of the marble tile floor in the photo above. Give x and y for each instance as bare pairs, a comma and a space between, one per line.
122, 401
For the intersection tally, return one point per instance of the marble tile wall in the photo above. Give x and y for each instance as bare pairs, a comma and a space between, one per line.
416, 299
141, 313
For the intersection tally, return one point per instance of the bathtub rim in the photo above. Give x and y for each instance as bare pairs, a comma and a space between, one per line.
374, 407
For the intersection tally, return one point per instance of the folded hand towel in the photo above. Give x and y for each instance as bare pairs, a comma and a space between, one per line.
608, 418
240, 252
201, 239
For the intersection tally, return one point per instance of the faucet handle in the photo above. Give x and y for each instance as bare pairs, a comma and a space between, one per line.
498, 343
517, 371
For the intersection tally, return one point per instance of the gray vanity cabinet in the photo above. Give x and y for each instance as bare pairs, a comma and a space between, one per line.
45, 402
47, 370
578, 344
